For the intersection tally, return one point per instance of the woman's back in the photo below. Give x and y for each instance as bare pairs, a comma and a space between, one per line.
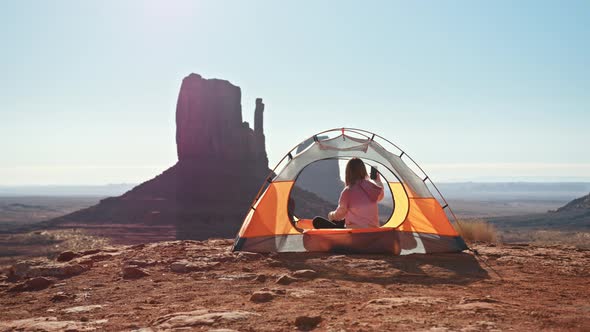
361, 200
357, 207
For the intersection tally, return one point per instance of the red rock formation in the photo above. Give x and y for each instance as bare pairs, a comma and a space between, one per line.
221, 164
209, 122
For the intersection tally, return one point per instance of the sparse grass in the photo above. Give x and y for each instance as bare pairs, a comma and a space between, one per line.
48, 243
548, 237
477, 231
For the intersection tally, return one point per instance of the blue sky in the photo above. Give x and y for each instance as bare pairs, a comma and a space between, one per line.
472, 90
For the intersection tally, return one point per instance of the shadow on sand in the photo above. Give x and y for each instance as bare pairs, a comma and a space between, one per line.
452, 268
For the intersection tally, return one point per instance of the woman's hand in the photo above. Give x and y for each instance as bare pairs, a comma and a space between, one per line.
331, 216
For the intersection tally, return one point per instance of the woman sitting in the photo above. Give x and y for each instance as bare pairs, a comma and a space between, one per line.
357, 206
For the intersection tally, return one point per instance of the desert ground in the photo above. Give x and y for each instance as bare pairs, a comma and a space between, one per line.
103, 278
203, 286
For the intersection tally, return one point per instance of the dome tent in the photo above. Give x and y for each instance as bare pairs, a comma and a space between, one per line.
418, 223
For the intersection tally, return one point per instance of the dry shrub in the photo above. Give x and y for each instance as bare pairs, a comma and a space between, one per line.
578, 239
477, 231
49, 243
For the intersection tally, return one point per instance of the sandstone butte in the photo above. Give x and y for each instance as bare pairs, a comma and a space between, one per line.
222, 163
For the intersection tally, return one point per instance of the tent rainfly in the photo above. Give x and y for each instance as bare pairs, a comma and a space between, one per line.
418, 223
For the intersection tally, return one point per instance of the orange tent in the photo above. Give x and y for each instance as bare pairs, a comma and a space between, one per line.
418, 224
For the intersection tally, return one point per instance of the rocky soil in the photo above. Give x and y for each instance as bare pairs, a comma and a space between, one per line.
202, 286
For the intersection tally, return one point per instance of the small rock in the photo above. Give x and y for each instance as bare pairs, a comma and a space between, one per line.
186, 320
87, 263
90, 252
184, 266
41, 268
262, 296
305, 274
286, 279
140, 263
249, 256
476, 306
279, 291
237, 276
41, 324
179, 267
80, 309
67, 256
130, 272
138, 246
31, 285
301, 293
101, 257
223, 257
273, 263
307, 322
393, 302
260, 278
60, 296
336, 258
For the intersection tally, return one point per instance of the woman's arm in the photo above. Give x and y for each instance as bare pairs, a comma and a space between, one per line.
379, 184
342, 208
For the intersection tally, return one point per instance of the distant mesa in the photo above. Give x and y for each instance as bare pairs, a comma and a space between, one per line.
222, 163
322, 177
582, 203
573, 216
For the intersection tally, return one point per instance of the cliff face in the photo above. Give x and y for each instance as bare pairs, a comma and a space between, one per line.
222, 163
209, 123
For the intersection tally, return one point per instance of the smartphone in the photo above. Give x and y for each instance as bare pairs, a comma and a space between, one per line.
373, 173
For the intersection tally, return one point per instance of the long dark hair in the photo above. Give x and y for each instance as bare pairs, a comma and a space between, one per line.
355, 171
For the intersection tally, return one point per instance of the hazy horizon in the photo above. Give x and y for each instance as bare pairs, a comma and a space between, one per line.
470, 90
